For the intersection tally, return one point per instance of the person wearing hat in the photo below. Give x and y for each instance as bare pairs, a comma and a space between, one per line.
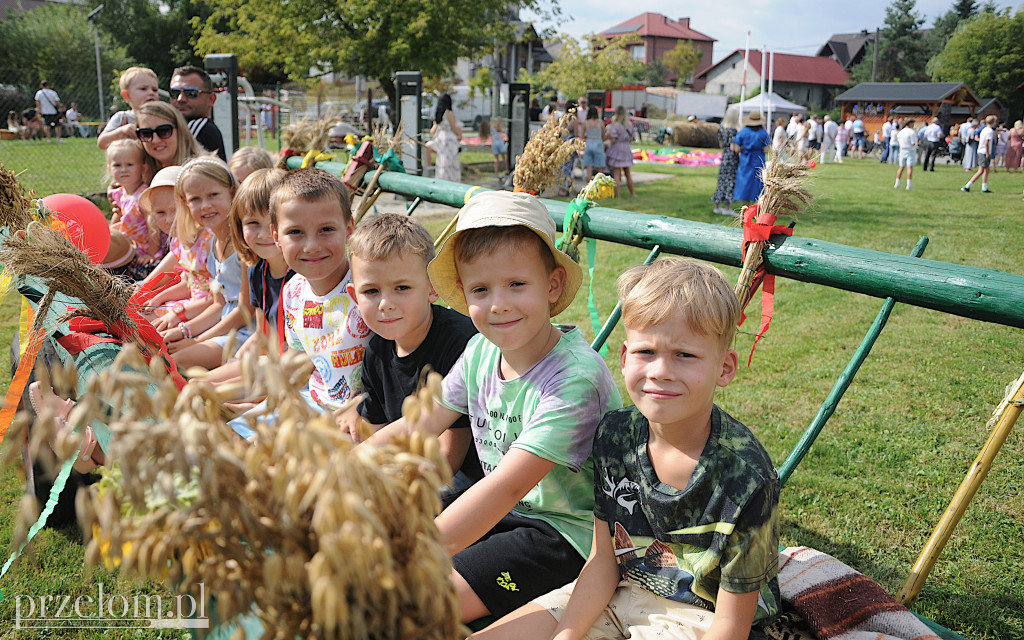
751, 143
534, 393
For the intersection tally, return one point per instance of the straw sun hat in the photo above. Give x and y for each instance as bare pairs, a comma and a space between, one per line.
501, 209
165, 177
753, 119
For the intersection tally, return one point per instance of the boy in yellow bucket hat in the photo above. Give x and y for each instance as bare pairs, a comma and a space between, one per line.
534, 393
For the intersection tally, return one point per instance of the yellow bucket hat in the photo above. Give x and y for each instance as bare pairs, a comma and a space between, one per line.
501, 209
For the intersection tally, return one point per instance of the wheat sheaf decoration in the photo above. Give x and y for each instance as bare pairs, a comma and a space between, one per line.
784, 194
544, 155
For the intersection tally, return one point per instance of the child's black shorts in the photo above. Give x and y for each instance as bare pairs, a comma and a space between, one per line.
516, 561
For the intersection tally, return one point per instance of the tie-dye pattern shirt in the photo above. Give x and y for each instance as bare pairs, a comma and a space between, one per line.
331, 331
681, 545
551, 411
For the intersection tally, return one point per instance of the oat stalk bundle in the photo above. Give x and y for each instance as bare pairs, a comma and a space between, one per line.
784, 194
544, 155
43, 253
325, 539
15, 207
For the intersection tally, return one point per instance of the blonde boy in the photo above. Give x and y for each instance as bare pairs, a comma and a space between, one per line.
138, 86
685, 517
534, 393
389, 255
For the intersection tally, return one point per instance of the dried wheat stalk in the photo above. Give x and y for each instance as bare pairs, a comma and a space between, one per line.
547, 151
325, 539
784, 194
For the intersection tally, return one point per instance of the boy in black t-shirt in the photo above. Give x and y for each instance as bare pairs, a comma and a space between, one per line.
388, 255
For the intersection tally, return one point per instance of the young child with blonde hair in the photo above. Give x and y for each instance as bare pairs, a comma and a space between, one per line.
126, 160
246, 160
686, 498
204, 192
138, 86
389, 254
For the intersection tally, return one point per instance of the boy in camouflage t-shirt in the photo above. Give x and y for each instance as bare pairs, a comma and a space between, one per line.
685, 521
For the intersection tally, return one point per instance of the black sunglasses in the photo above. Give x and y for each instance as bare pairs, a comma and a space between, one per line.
163, 132
190, 92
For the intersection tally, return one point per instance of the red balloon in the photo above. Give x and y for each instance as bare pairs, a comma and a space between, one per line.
81, 222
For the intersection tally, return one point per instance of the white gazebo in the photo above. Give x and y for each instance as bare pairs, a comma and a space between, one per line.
769, 104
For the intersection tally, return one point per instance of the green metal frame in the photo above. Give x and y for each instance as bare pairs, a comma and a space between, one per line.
971, 292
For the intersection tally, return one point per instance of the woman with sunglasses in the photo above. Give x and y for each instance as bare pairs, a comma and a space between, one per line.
164, 135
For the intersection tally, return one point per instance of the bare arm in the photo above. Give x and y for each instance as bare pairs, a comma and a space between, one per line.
734, 615
434, 423
490, 499
594, 588
105, 138
456, 127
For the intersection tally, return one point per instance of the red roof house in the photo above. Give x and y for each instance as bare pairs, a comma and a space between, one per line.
811, 80
658, 34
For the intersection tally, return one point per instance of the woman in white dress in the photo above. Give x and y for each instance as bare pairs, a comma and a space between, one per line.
446, 133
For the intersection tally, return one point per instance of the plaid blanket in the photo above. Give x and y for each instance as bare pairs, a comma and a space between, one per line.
838, 603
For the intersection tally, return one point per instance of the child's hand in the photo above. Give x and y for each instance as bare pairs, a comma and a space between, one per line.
166, 322
176, 341
347, 418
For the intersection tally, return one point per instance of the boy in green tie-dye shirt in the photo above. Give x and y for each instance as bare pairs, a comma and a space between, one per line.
686, 515
534, 393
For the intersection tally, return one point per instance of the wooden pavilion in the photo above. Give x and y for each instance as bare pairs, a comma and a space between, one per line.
874, 102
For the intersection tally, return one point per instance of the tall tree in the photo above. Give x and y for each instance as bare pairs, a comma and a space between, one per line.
374, 38
591, 63
55, 43
947, 24
987, 54
902, 54
157, 35
682, 60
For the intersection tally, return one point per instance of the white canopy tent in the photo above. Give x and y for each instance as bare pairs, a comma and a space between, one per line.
773, 104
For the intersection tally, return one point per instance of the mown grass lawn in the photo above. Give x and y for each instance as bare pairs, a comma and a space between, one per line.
885, 467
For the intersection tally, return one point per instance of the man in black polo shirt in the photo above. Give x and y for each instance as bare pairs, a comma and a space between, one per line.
192, 94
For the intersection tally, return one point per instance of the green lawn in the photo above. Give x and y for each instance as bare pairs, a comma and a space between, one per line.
883, 470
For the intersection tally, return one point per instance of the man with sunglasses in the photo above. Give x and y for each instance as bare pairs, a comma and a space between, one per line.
192, 94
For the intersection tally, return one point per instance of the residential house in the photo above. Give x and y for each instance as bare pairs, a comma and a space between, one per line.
810, 80
847, 48
6, 6
657, 35
526, 50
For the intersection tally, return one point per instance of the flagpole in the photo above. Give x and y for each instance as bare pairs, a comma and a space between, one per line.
764, 60
746, 62
771, 90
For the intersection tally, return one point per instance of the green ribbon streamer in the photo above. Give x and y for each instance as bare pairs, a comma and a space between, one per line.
572, 225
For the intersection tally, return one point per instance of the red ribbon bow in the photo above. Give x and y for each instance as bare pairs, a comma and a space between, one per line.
759, 226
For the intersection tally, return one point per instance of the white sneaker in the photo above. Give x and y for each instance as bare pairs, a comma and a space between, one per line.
910, 188
897, 185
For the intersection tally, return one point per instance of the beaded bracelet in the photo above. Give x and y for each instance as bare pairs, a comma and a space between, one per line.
185, 330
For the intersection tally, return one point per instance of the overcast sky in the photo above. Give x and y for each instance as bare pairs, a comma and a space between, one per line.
786, 26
